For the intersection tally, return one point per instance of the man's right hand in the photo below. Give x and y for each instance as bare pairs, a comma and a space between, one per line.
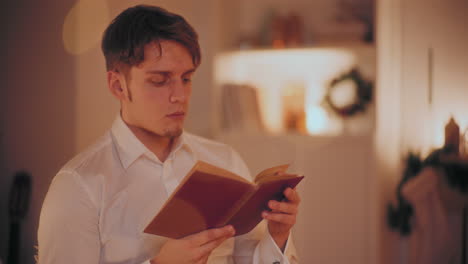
193, 249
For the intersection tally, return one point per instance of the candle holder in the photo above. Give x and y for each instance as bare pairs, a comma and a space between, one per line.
293, 106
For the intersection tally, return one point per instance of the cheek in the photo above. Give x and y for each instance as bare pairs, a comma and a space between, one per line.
150, 93
154, 100
188, 92
157, 95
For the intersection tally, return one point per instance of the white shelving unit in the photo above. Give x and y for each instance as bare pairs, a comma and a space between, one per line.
332, 226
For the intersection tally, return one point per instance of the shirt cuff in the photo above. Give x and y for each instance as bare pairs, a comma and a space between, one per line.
267, 252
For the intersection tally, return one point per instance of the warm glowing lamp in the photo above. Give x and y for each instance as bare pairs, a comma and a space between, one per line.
83, 26
272, 71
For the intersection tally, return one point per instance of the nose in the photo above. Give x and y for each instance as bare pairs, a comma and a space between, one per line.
179, 92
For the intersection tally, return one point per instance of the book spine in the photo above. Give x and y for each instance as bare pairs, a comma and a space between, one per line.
238, 206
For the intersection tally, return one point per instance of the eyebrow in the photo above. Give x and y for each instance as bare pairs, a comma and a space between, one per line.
169, 73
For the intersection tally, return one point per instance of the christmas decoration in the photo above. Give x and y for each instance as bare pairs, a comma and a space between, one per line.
454, 169
348, 94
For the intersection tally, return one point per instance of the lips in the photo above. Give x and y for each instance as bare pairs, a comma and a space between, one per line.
179, 114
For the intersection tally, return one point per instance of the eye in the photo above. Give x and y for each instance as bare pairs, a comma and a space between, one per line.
187, 80
158, 82
161, 83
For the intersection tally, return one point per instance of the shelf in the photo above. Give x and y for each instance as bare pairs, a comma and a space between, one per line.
275, 74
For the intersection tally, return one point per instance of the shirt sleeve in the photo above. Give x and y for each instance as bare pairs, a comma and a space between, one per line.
68, 226
258, 247
268, 252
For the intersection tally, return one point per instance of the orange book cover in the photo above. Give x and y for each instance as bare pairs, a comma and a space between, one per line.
210, 197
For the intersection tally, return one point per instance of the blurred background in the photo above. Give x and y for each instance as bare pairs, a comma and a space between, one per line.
343, 90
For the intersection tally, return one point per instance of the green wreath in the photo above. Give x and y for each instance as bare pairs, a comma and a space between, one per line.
361, 98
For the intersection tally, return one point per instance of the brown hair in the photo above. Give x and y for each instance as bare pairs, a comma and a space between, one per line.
125, 38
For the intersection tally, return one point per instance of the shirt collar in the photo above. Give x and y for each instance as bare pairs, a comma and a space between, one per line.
130, 148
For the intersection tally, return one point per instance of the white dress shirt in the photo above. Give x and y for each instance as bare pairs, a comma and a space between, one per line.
100, 201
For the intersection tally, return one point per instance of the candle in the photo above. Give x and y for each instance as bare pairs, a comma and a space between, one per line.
452, 136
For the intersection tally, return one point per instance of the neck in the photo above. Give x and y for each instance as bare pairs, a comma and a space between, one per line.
161, 146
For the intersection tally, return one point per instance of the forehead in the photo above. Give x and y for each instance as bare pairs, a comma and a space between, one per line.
166, 55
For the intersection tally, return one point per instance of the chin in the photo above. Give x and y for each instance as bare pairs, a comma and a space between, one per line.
172, 133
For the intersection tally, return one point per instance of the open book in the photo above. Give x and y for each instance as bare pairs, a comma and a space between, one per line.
210, 197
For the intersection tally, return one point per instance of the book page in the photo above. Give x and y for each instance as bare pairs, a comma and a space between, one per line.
276, 177
271, 171
211, 169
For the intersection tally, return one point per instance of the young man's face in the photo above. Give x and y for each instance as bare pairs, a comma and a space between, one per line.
158, 90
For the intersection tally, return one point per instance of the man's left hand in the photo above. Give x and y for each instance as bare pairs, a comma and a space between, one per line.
282, 216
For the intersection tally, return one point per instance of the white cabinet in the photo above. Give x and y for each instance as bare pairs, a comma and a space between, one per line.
333, 223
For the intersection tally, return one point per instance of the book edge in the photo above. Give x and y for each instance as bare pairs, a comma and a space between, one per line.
271, 178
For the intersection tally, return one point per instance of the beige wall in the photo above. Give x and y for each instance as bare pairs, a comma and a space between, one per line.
441, 27
38, 105
387, 135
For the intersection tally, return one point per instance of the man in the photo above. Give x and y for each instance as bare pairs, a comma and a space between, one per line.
99, 202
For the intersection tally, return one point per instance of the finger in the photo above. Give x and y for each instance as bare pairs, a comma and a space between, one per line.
210, 246
203, 260
292, 195
280, 218
210, 235
282, 207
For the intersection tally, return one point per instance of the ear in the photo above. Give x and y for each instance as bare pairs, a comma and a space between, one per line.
117, 85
